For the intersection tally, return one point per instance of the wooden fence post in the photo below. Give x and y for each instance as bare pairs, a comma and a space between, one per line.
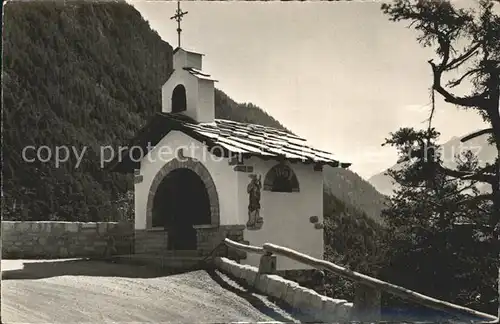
267, 264
367, 302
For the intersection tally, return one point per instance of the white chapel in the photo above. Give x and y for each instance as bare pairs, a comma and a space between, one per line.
200, 179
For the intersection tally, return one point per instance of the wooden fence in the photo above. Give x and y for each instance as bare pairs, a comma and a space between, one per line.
368, 291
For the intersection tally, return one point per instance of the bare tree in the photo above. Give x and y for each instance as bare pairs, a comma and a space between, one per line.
467, 45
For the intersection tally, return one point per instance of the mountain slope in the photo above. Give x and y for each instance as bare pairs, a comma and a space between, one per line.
77, 76
485, 152
87, 75
355, 192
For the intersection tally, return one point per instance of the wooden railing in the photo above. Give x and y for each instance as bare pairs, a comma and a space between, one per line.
365, 282
244, 247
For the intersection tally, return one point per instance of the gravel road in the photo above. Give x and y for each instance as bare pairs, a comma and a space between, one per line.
69, 291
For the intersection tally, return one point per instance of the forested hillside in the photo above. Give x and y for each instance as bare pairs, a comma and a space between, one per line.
355, 192
78, 75
90, 75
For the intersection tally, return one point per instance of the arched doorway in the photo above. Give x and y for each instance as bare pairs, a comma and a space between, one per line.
181, 201
179, 99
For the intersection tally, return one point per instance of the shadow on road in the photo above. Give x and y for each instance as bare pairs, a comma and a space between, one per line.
39, 269
258, 303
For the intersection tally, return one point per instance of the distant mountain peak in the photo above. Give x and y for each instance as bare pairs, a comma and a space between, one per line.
485, 153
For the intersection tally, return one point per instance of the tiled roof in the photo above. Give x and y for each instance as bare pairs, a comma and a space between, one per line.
187, 51
199, 74
234, 138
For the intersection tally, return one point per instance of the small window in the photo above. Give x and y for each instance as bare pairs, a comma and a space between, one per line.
179, 99
281, 178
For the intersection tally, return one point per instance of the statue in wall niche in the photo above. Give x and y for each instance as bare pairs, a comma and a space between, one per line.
253, 189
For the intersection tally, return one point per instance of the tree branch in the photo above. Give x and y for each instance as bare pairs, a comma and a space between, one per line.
477, 198
470, 186
472, 101
480, 176
453, 64
476, 134
456, 82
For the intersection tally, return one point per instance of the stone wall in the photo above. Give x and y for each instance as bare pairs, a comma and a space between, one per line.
310, 278
151, 241
45, 239
208, 238
309, 302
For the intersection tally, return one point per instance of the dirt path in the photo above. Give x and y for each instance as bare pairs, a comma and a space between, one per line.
92, 291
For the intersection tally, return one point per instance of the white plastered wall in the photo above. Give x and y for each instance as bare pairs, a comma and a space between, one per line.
225, 179
286, 215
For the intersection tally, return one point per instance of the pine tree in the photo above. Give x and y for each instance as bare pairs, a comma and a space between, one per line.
441, 244
467, 43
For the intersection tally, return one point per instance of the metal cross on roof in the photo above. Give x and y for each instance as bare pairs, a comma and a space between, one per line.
178, 17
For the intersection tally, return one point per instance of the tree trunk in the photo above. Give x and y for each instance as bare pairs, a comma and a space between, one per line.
496, 216
496, 209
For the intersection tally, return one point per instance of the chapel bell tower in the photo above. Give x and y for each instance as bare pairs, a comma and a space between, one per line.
188, 91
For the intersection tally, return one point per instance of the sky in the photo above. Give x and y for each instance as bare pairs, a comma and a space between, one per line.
339, 74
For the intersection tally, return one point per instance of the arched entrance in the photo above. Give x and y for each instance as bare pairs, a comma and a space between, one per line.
179, 99
181, 196
181, 201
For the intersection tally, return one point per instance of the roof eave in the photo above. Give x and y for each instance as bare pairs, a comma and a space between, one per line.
187, 51
334, 164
